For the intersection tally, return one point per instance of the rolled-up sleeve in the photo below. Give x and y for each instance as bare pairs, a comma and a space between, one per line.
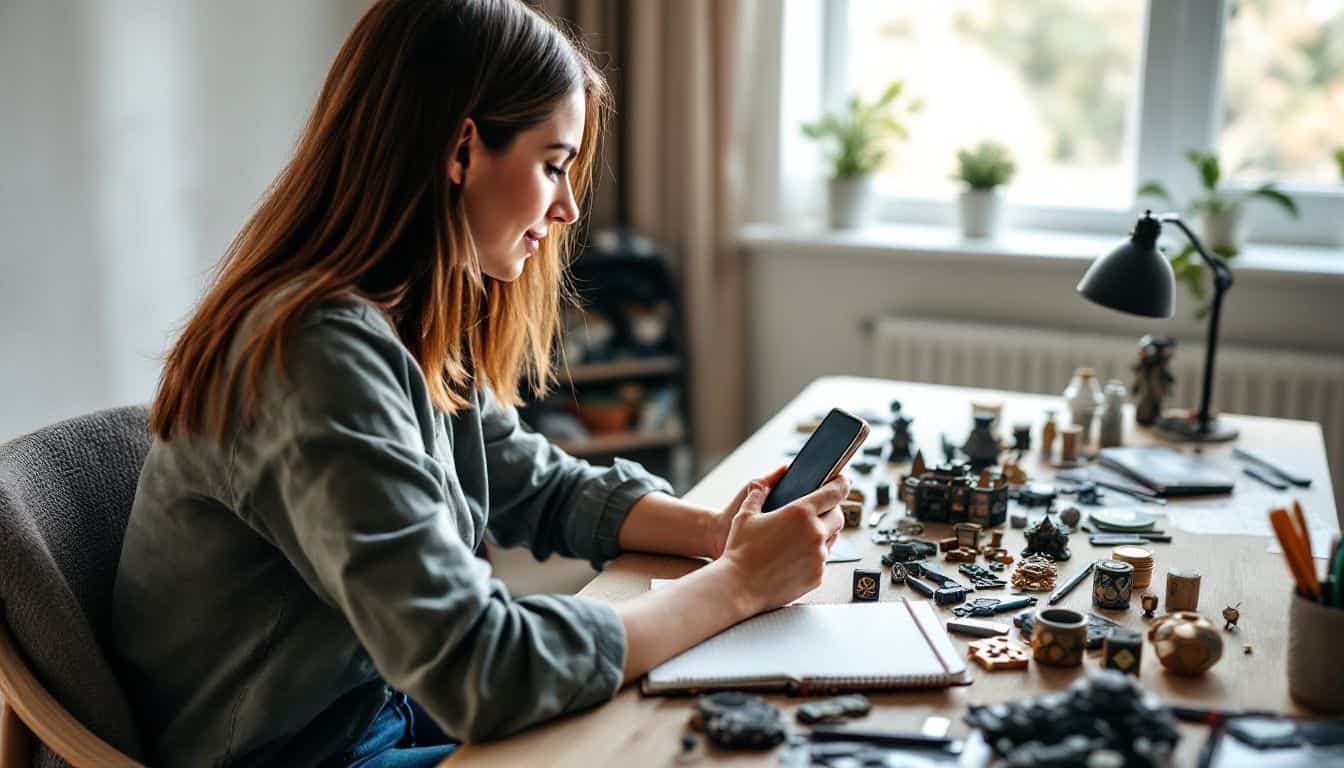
549, 501
336, 474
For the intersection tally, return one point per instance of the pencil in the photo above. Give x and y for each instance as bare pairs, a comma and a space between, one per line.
1291, 544
1302, 523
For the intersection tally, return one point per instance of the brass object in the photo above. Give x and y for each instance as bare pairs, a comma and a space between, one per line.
1182, 590
1185, 642
1058, 637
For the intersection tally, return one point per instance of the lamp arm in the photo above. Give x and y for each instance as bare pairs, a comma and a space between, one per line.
1222, 274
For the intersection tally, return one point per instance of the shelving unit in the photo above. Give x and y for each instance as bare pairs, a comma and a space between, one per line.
635, 367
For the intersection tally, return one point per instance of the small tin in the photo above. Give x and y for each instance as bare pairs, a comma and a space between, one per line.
1112, 582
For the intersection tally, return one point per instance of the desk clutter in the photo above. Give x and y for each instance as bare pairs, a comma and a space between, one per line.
1007, 544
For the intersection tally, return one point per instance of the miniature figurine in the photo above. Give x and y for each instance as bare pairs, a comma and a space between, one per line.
867, 584
952, 494
1230, 615
1035, 574
1149, 602
1046, 538
900, 435
917, 467
981, 447
1152, 378
1022, 437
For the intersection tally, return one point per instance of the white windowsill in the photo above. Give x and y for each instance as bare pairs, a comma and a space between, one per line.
1033, 246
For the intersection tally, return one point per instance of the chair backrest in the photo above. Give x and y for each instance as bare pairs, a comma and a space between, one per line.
65, 497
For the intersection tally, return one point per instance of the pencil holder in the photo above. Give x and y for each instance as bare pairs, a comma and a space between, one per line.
1315, 666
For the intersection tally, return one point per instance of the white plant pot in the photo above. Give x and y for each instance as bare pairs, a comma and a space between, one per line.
981, 210
852, 202
1224, 230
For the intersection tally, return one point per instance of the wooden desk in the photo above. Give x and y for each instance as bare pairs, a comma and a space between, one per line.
636, 730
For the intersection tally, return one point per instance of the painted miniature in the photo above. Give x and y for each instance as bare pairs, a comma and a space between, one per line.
1152, 377
953, 494
867, 584
981, 447
1231, 614
1046, 538
1149, 602
900, 436
1022, 436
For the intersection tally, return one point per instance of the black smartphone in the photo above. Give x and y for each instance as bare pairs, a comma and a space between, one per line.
822, 457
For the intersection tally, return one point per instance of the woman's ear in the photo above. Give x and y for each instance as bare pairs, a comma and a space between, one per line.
461, 156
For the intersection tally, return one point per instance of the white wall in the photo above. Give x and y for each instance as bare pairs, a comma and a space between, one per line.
135, 137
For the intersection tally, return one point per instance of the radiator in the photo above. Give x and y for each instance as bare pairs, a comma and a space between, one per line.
1250, 381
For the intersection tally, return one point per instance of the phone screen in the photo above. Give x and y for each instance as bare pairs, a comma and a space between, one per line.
816, 462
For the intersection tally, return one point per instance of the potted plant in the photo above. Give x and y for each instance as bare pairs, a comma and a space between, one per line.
1220, 218
857, 152
984, 169
1339, 161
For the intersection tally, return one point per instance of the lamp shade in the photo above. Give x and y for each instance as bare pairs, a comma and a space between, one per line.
1135, 277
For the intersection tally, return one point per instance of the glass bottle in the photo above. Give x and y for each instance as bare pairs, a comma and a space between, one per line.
1083, 398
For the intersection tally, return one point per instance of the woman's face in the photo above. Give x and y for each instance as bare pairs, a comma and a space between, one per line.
512, 197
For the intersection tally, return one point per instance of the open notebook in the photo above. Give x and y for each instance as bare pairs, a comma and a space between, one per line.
847, 646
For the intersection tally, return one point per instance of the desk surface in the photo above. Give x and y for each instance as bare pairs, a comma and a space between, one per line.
636, 730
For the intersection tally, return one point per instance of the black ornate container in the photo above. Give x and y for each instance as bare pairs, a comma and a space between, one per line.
1112, 582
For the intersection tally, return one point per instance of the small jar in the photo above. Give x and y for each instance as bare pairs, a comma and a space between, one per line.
1112, 583
1113, 414
1083, 398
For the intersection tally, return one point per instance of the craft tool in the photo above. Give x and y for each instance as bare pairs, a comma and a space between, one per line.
1265, 478
1295, 479
1068, 586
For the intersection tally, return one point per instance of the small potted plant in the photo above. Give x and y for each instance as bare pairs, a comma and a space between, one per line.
984, 168
857, 152
1221, 222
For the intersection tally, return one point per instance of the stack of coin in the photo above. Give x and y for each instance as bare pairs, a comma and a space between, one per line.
1141, 559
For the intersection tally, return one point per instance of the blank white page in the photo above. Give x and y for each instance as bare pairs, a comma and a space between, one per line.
862, 642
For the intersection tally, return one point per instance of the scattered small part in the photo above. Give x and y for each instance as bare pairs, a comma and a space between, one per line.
1149, 602
1123, 650
1246, 649
999, 565
1230, 615
1045, 537
1089, 494
1097, 627
1035, 574
936, 726
863, 467
1070, 516
989, 606
999, 653
808, 425
977, 627
867, 584
883, 494
980, 577
746, 730
961, 555
872, 450
968, 534
1002, 557
1112, 584
853, 512
897, 573
948, 544
1034, 495
1013, 473
688, 742
1018, 520
910, 525
996, 539
855, 495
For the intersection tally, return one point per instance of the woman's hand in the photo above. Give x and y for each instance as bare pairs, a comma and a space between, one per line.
722, 521
781, 555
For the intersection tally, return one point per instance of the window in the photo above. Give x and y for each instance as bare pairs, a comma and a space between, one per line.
1283, 90
1094, 97
1057, 81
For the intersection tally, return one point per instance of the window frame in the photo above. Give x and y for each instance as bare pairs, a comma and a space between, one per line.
1175, 110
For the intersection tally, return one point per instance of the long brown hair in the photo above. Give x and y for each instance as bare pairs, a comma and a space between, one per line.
365, 206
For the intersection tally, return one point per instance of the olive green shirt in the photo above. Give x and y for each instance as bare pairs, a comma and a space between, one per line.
274, 584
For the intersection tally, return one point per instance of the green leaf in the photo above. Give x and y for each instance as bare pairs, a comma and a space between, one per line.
1339, 160
1154, 189
1271, 192
889, 95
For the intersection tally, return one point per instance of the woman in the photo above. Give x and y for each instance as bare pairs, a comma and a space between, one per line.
335, 432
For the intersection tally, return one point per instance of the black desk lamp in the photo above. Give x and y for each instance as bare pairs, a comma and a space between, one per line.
1136, 278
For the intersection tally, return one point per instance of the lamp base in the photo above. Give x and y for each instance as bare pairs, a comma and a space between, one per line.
1183, 427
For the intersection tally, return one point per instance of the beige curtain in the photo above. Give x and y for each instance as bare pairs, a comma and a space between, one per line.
673, 174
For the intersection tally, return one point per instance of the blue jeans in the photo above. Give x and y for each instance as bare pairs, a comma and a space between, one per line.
402, 736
